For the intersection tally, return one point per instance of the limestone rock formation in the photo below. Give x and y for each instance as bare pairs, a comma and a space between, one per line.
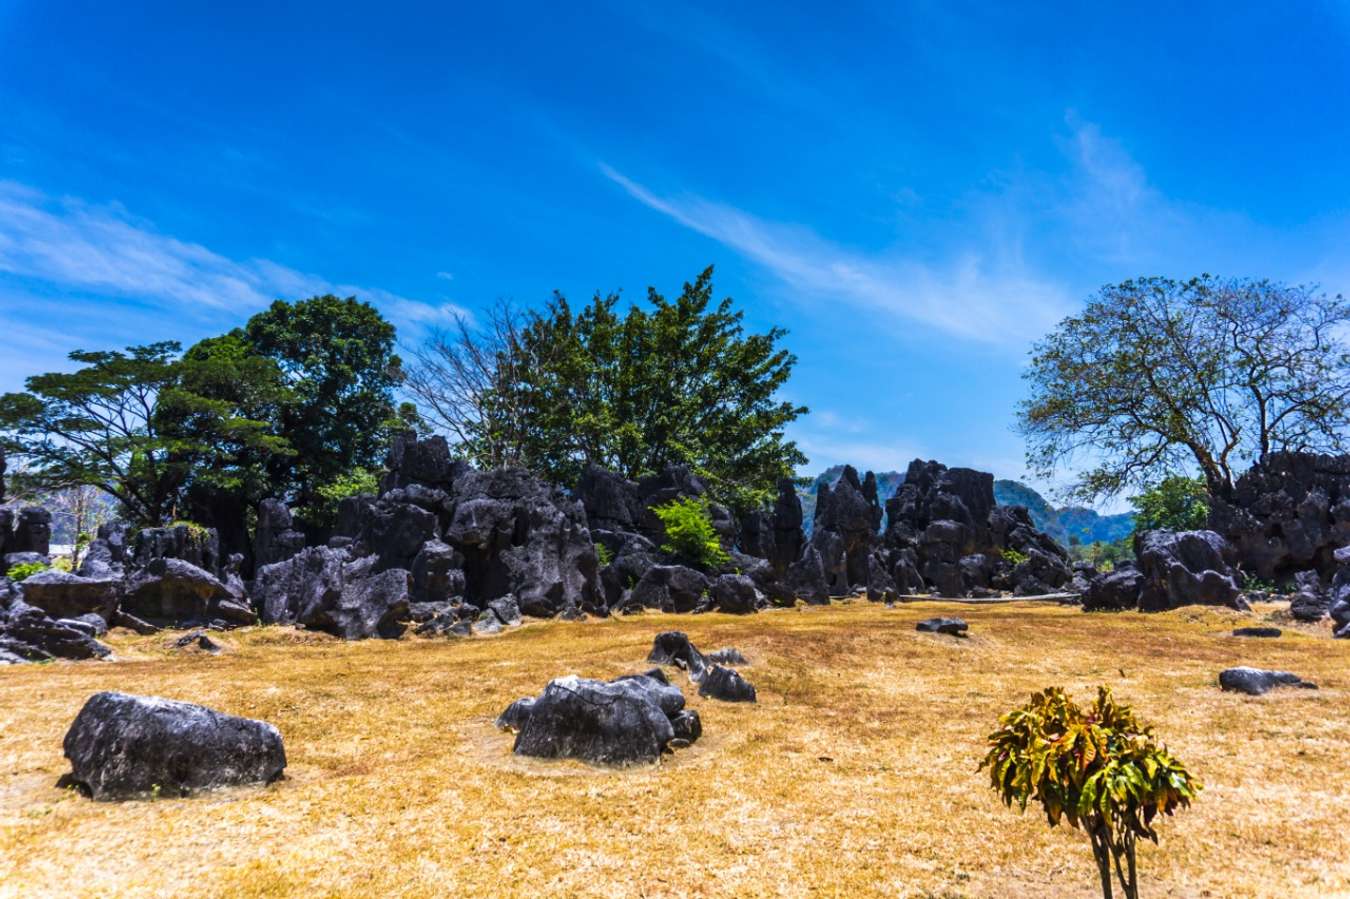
1185, 568
122, 746
629, 720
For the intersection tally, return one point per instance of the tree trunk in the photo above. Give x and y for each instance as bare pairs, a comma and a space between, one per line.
1102, 853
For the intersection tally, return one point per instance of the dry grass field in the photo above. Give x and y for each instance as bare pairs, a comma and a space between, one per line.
855, 775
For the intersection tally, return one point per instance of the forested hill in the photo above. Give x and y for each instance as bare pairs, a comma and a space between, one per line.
1064, 523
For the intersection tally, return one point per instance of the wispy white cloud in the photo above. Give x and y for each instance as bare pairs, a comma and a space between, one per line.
976, 294
104, 250
445, 276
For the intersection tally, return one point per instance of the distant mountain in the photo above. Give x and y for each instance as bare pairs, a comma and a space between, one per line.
1068, 523
1064, 523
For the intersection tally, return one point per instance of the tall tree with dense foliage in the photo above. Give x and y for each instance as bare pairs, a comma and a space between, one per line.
1156, 375
97, 426
630, 390
336, 359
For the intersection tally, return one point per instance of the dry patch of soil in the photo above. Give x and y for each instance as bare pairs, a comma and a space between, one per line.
853, 776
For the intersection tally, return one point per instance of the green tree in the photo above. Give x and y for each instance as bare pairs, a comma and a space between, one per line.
1100, 769
336, 358
98, 426
1157, 375
689, 532
630, 390
221, 418
1175, 503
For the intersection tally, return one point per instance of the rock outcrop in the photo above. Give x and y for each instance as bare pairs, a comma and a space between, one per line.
1185, 568
1288, 513
123, 747
322, 590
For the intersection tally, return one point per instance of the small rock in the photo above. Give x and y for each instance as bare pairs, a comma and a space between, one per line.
1256, 632
726, 685
1255, 681
674, 648
956, 627
729, 655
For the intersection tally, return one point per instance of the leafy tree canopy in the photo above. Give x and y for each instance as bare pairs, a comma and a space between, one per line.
1158, 375
97, 426
631, 390
1176, 503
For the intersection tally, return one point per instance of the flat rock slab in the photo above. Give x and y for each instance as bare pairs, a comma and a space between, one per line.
124, 747
1256, 681
1267, 632
956, 627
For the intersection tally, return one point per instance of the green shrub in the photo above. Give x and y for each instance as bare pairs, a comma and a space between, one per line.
603, 554
1175, 503
323, 510
1013, 557
62, 563
1100, 769
689, 532
25, 570
196, 531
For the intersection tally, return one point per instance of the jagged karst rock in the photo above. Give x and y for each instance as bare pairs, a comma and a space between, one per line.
32, 531
172, 590
671, 588
674, 648
1256, 681
122, 746
395, 531
275, 538
427, 461
611, 501
844, 530
64, 595
1114, 591
955, 627
506, 609
628, 720
1185, 568
195, 545
106, 554
437, 573
200, 640
1287, 513
29, 633
728, 655
806, 578
1311, 602
725, 684
522, 537
735, 593
318, 589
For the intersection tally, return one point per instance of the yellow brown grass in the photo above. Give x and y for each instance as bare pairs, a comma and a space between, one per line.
853, 776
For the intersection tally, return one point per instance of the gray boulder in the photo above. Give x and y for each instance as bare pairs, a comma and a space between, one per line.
33, 635
275, 537
437, 572
674, 648
1185, 568
955, 627
735, 593
628, 720
195, 545
726, 685
1262, 632
123, 747
172, 590
671, 588
316, 589
64, 595
32, 531
1256, 681
1114, 591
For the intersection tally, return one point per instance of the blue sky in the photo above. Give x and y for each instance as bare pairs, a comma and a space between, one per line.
917, 191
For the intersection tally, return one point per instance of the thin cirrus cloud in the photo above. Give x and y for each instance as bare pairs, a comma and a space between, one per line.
104, 250
973, 296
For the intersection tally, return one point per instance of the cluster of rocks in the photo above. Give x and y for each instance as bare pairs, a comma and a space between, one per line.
169, 576
710, 671
1171, 569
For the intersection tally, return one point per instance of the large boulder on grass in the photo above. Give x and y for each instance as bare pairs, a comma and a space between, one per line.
735, 593
629, 720
1256, 681
1186, 568
122, 747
